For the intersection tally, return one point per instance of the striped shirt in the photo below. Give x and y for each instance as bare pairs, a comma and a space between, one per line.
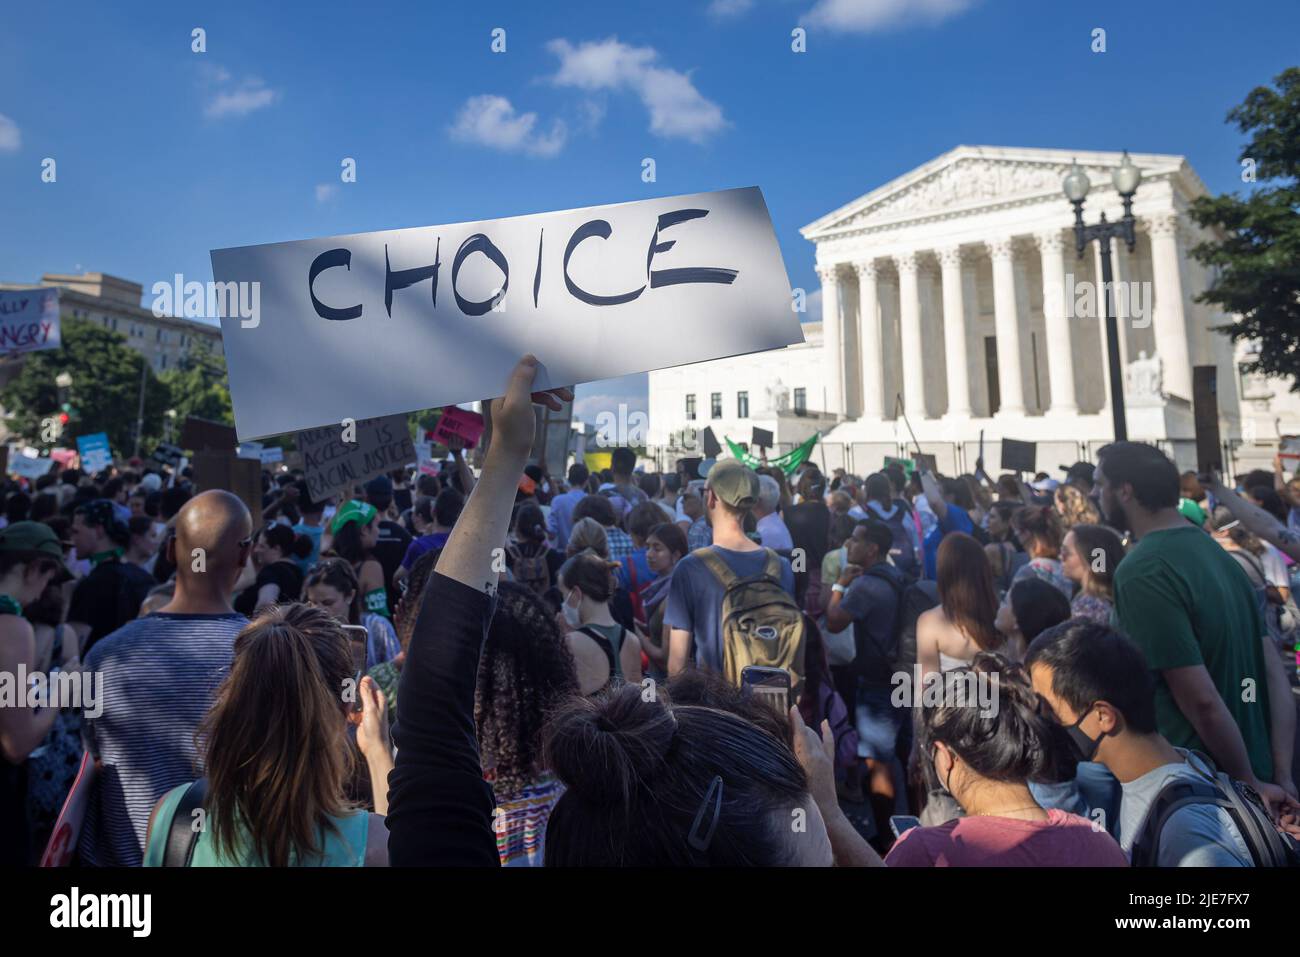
159, 674
520, 821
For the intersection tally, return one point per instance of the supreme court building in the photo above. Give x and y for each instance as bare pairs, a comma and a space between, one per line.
953, 295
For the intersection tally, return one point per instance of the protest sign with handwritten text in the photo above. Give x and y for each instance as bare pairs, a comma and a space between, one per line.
408, 319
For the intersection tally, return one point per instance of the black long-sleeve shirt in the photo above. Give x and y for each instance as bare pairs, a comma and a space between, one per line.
439, 806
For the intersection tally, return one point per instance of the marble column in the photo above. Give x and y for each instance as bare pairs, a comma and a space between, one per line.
954, 332
1007, 325
1170, 320
832, 341
1060, 361
909, 314
869, 340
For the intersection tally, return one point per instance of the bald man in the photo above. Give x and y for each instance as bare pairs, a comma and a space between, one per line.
157, 676
214, 537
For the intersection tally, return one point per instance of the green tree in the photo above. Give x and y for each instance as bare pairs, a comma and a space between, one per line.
199, 387
1257, 256
104, 395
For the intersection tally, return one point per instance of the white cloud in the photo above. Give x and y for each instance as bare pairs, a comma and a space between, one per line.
588, 407
729, 8
868, 16
230, 97
491, 121
326, 191
677, 108
813, 306
10, 136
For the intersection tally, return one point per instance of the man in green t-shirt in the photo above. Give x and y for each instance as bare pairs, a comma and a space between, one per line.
1193, 612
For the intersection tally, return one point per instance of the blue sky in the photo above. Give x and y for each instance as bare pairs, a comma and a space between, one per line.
164, 153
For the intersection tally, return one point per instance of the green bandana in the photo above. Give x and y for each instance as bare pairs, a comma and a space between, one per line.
353, 511
100, 557
8, 606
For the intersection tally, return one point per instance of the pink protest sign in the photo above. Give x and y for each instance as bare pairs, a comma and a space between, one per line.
456, 423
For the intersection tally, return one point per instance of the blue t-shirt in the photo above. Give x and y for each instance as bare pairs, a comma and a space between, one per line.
695, 599
425, 543
955, 521
314, 532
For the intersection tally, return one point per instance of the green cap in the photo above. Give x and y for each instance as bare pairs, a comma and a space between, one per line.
352, 511
1192, 511
31, 537
734, 483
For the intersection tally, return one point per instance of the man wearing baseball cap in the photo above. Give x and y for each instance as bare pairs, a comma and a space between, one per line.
110, 596
694, 612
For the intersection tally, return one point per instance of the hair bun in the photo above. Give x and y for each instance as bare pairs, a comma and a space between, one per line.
606, 749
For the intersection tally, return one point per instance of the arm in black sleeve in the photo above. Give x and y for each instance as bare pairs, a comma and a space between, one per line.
439, 806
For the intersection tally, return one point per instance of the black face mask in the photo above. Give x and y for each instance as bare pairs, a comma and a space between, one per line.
1084, 747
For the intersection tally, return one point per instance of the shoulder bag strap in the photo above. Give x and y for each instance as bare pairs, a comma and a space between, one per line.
181, 833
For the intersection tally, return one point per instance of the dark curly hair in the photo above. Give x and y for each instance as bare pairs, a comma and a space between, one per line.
408, 606
525, 672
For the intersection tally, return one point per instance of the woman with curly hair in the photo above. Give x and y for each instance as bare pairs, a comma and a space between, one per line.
1075, 507
525, 672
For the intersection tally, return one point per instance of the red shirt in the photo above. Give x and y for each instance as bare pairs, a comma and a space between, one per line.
1063, 840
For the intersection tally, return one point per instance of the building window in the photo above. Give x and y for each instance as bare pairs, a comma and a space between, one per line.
715, 405
690, 407
742, 405
800, 401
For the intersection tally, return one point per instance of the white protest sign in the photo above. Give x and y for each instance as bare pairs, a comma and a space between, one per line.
29, 320
407, 319
29, 468
332, 465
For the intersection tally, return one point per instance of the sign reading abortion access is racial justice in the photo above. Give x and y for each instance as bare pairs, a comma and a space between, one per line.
333, 465
386, 322
29, 320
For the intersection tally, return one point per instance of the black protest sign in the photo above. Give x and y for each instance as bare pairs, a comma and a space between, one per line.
1019, 456
1205, 416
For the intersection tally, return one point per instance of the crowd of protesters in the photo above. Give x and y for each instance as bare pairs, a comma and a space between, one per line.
518, 668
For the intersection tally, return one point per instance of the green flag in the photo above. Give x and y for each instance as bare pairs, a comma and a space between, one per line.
787, 463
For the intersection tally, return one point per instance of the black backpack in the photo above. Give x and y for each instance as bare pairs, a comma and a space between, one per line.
910, 600
1269, 846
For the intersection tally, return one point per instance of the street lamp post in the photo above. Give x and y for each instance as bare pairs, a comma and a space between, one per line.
1076, 185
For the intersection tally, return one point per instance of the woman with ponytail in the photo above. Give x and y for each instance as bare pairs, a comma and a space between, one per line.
276, 754
606, 653
1039, 529
531, 560
279, 579
985, 756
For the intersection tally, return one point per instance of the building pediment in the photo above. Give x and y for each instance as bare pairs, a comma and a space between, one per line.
978, 178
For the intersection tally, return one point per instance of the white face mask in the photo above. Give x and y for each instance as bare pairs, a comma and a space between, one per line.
572, 613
